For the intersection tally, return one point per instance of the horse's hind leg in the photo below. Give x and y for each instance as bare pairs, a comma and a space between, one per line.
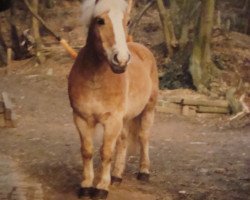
147, 118
85, 130
120, 157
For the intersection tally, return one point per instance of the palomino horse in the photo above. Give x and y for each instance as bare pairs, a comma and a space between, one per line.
113, 83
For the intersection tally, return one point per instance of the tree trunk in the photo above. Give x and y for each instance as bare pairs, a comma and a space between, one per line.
3, 48
35, 23
49, 3
15, 43
248, 18
36, 32
168, 27
201, 66
188, 19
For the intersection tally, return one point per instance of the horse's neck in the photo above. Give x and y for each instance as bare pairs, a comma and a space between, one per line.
93, 47
94, 62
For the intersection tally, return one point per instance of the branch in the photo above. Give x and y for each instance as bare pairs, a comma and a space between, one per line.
168, 28
245, 110
63, 42
41, 20
135, 22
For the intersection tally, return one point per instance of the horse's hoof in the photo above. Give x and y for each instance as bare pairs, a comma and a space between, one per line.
143, 177
99, 194
85, 192
115, 180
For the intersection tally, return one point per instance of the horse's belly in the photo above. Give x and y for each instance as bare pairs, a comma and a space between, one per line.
137, 100
135, 109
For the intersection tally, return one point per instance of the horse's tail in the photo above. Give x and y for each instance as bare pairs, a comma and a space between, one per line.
133, 137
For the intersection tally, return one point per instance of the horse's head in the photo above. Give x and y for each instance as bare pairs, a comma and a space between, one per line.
109, 21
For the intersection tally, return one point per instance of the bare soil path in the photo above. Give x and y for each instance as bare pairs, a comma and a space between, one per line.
195, 159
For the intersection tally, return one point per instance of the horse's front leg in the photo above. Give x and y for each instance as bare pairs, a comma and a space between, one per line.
86, 130
112, 129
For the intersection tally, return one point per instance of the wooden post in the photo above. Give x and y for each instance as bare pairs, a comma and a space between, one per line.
9, 59
9, 56
2, 121
9, 114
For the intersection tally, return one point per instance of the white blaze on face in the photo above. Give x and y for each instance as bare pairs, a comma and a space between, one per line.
120, 47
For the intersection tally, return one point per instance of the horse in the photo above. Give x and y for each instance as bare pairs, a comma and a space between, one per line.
113, 83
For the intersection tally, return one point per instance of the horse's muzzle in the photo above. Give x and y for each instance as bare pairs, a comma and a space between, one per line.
118, 69
119, 66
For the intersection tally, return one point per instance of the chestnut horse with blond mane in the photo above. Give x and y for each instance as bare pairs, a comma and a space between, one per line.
115, 83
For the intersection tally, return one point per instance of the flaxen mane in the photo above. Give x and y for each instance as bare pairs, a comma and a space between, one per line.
91, 9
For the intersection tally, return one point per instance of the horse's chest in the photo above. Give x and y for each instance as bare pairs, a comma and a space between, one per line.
96, 96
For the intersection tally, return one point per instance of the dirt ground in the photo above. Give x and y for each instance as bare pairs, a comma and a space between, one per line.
192, 158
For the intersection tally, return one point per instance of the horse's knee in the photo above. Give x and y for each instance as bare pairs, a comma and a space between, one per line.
106, 155
143, 137
86, 154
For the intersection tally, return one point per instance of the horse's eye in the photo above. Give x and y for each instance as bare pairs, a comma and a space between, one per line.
100, 21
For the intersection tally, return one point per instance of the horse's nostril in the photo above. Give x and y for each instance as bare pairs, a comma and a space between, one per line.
116, 58
120, 61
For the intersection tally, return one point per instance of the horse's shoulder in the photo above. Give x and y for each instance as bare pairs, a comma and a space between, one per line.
140, 50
